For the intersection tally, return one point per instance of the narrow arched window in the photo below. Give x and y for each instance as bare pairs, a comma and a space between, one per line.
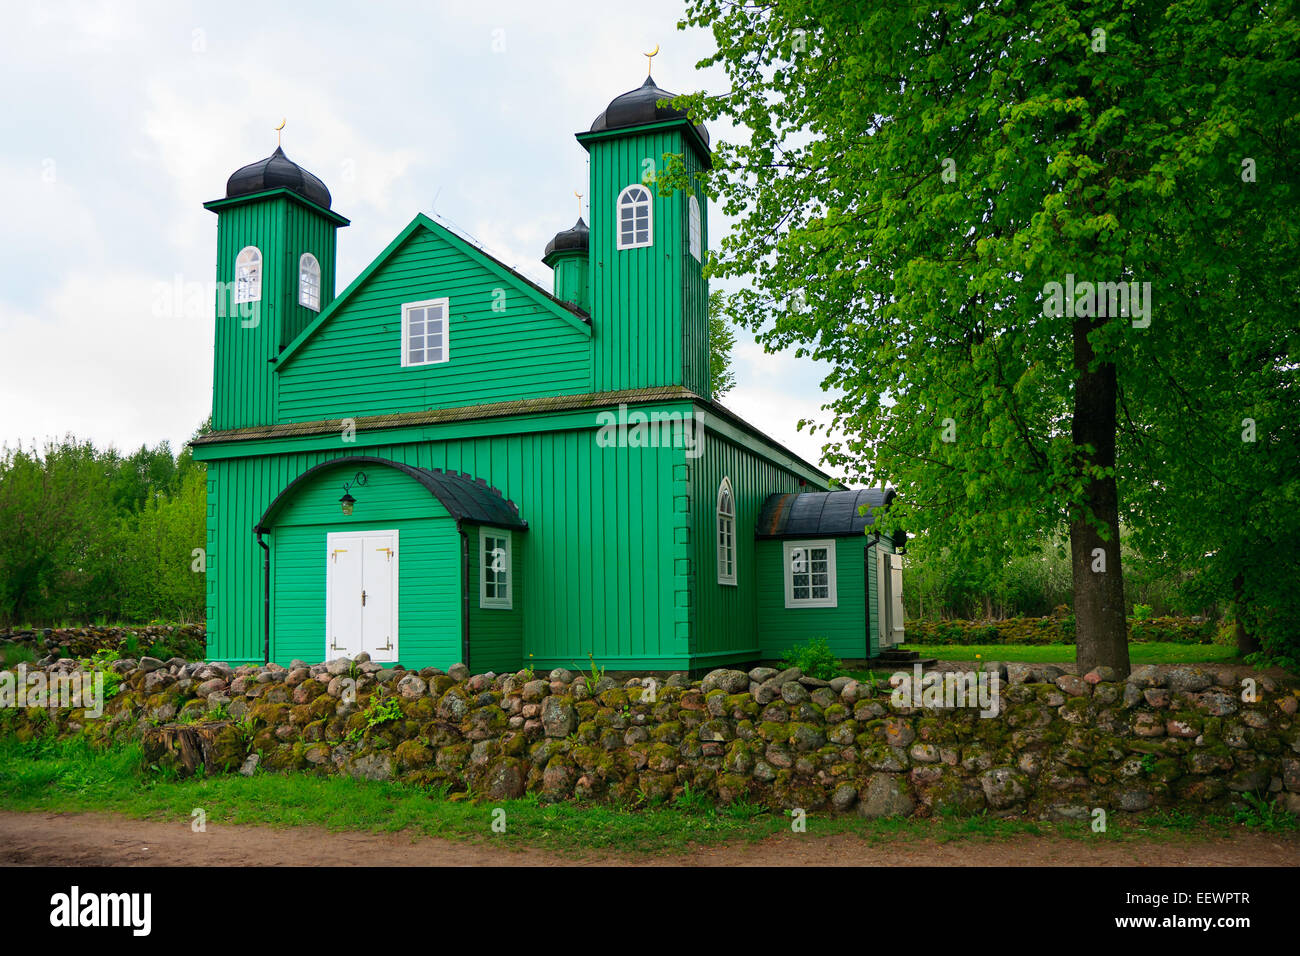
634, 217
726, 534
693, 227
309, 282
248, 275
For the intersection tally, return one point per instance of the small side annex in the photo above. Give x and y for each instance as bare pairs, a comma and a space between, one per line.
427, 549
824, 572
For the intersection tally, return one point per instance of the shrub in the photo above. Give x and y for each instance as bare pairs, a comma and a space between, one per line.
816, 659
1057, 629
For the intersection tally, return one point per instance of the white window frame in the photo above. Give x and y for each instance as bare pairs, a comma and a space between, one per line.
497, 602
308, 261
255, 295
726, 534
693, 228
635, 205
787, 552
445, 302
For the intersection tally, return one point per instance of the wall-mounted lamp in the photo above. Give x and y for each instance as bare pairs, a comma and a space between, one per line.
347, 501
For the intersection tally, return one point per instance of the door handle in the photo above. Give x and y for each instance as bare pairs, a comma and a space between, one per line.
363, 598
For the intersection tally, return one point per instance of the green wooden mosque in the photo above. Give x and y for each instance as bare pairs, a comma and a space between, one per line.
446, 462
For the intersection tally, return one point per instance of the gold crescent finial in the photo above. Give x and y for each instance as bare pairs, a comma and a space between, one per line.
579, 195
278, 129
650, 56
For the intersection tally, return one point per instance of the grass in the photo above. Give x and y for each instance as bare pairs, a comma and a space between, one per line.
11, 655
47, 775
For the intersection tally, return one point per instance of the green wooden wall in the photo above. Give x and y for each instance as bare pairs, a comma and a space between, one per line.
244, 381
497, 634
352, 365
572, 279
642, 332
618, 561
846, 627
597, 564
725, 619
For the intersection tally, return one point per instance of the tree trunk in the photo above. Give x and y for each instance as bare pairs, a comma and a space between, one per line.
1247, 643
1100, 626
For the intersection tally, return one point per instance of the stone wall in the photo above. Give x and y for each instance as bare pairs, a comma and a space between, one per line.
1063, 744
85, 641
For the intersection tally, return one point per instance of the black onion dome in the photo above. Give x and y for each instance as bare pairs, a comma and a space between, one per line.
275, 172
640, 106
570, 240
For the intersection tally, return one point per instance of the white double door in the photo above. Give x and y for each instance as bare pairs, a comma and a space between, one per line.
361, 587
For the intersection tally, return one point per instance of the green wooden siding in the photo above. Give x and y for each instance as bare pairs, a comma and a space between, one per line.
846, 627
639, 296
597, 563
351, 366
725, 620
572, 279
496, 634
618, 561
245, 386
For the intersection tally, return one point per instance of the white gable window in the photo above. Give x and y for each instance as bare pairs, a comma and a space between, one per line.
494, 587
309, 282
248, 275
693, 227
424, 332
810, 573
726, 533
634, 218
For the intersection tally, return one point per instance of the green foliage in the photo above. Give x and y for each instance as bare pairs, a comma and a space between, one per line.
906, 234
377, 712
594, 677
1263, 814
11, 655
92, 535
815, 658
722, 339
1056, 629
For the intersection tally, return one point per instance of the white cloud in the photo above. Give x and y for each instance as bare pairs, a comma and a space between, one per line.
95, 360
147, 115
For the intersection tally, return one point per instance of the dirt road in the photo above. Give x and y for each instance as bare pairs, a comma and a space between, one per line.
93, 839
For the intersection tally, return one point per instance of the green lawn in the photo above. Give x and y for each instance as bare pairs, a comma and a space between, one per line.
73, 777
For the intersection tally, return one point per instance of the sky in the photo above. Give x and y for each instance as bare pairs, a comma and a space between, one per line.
121, 119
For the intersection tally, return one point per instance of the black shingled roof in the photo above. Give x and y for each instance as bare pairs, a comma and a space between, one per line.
277, 171
820, 514
641, 106
575, 239
466, 498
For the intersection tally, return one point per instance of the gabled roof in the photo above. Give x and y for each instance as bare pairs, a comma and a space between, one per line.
821, 514
465, 497
569, 313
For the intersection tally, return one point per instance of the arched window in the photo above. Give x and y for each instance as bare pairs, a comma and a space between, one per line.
248, 275
634, 218
693, 226
309, 282
726, 534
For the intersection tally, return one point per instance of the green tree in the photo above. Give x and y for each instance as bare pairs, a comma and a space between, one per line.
916, 188
163, 577
722, 339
